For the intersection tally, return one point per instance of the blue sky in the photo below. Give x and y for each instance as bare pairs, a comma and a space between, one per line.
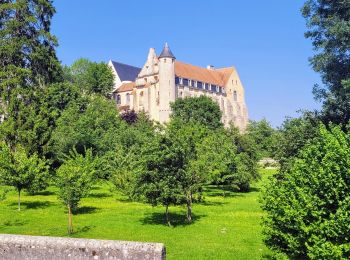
264, 40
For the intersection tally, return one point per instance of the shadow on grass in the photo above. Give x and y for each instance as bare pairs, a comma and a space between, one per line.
85, 210
212, 203
99, 195
42, 193
83, 229
15, 222
176, 219
268, 257
33, 204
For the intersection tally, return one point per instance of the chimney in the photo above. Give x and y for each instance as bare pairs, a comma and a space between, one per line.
210, 67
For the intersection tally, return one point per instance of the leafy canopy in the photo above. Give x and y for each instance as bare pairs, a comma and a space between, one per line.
308, 205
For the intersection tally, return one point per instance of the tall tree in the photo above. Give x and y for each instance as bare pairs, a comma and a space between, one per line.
28, 63
91, 77
329, 30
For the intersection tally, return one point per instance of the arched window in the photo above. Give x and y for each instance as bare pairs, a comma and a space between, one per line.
119, 100
180, 94
235, 95
127, 98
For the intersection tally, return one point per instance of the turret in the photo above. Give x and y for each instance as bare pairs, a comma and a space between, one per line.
167, 91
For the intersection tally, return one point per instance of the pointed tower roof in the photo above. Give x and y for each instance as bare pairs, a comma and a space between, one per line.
166, 53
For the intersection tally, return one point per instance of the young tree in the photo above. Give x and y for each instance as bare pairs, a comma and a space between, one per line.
160, 180
202, 110
74, 180
308, 205
187, 137
329, 31
21, 171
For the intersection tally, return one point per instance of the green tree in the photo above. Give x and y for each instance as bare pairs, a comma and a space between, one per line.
74, 180
264, 136
202, 110
21, 171
329, 29
28, 64
91, 77
93, 123
308, 205
293, 135
161, 179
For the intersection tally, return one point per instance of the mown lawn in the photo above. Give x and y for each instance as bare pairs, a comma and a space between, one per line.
223, 228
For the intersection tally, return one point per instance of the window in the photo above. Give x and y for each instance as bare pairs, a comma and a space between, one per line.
206, 86
127, 98
180, 94
199, 85
119, 101
213, 88
177, 80
185, 82
235, 95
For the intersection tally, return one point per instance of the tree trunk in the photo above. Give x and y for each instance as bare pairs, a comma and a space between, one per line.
70, 223
167, 215
19, 200
189, 208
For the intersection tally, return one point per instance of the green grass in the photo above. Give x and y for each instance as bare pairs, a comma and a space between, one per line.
223, 228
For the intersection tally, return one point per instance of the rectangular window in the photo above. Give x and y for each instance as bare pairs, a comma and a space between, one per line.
199, 85
185, 82
213, 88
177, 81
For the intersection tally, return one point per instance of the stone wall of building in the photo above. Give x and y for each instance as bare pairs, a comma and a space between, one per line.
56, 248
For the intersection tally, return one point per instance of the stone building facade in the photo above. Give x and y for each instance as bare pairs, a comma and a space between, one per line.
163, 79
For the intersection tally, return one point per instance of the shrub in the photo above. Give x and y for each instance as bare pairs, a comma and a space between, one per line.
308, 205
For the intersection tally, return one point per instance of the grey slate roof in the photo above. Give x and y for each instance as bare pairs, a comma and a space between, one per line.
126, 72
166, 53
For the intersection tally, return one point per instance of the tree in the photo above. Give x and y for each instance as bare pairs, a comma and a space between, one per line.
264, 136
91, 77
28, 63
308, 205
202, 110
160, 180
74, 180
293, 135
219, 159
93, 123
21, 171
187, 136
328, 23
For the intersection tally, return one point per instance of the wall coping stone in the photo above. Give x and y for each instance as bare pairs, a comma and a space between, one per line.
43, 247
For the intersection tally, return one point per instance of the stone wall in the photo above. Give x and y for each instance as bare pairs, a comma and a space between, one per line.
35, 248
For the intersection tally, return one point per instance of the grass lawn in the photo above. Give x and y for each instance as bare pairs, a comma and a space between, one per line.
223, 228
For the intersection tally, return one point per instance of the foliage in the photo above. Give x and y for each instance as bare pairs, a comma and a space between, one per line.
329, 28
161, 179
221, 222
308, 205
3, 193
202, 110
264, 137
21, 171
293, 135
129, 116
91, 77
87, 125
74, 180
219, 159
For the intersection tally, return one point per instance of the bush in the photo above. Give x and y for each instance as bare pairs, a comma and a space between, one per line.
308, 205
